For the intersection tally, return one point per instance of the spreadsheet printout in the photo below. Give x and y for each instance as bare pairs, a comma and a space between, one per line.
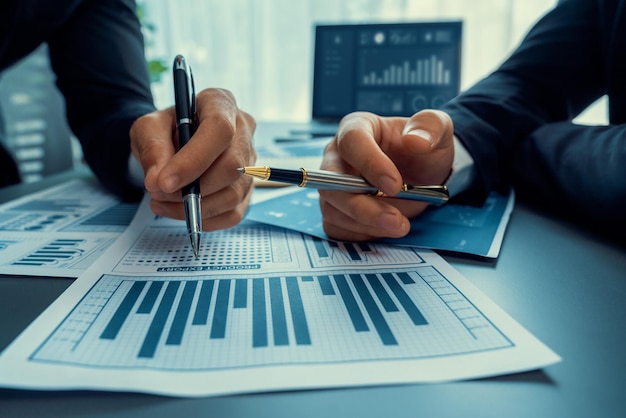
263, 309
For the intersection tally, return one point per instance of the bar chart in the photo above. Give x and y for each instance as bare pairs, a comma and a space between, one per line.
62, 230
421, 72
252, 320
177, 329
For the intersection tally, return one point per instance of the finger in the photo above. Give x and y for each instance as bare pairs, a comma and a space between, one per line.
223, 172
358, 144
224, 204
151, 144
433, 127
217, 124
362, 215
425, 153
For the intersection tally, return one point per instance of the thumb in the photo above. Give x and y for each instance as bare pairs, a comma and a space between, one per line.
152, 144
428, 131
427, 148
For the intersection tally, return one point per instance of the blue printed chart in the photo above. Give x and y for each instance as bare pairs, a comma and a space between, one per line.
453, 227
61, 231
263, 308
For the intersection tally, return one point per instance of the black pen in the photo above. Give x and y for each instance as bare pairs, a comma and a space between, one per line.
329, 180
185, 99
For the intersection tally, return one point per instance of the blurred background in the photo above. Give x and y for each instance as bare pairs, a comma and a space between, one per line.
262, 51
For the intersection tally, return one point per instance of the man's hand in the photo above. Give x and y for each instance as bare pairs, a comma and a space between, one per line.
386, 151
221, 144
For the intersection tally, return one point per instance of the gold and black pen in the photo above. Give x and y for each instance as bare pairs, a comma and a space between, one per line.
329, 180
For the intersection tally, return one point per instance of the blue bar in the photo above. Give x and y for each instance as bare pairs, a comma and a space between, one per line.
326, 285
241, 294
300, 327
123, 310
218, 328
384, 332
406, 279
177, 329
37, 261
201, 316
277, 306
333, 244
67, 241
259, 314
381, 293
150, 297
153, 335
307, 279
405, 300
358, 320
364, 247
319, 247
61, 254
352, 251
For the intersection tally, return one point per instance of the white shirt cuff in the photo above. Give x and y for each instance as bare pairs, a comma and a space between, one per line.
463, 170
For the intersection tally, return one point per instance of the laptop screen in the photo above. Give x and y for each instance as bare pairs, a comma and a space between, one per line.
389, 69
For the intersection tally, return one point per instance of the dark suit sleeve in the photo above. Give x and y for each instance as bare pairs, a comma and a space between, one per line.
98, 58
516, 123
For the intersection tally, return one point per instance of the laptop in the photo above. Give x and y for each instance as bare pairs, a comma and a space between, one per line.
391, 69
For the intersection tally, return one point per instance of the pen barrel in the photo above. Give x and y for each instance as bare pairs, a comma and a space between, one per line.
185, 132
435, 195
328, 180
325, 180
191, 188
193, 216
286, 176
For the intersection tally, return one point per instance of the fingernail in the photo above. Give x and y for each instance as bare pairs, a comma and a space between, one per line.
393, 224
422, 134
171, 183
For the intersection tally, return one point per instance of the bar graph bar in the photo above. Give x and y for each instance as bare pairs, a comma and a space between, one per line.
259, 314
218, 327
283, 318
59, 251
157, 326
201, 316
279, 321
301, 328
177, 329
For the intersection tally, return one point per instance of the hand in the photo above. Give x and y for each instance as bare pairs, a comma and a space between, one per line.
221, 144
386, 151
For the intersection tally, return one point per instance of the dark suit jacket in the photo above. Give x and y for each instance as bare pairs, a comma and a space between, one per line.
96, 52
517, 125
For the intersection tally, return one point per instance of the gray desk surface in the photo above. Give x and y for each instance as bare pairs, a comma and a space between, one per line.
566, 286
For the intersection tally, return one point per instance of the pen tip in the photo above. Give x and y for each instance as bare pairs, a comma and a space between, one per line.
241, 169
195, 244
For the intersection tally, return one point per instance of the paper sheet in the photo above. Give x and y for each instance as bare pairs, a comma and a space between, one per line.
59, 232
263, 309
476, 230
